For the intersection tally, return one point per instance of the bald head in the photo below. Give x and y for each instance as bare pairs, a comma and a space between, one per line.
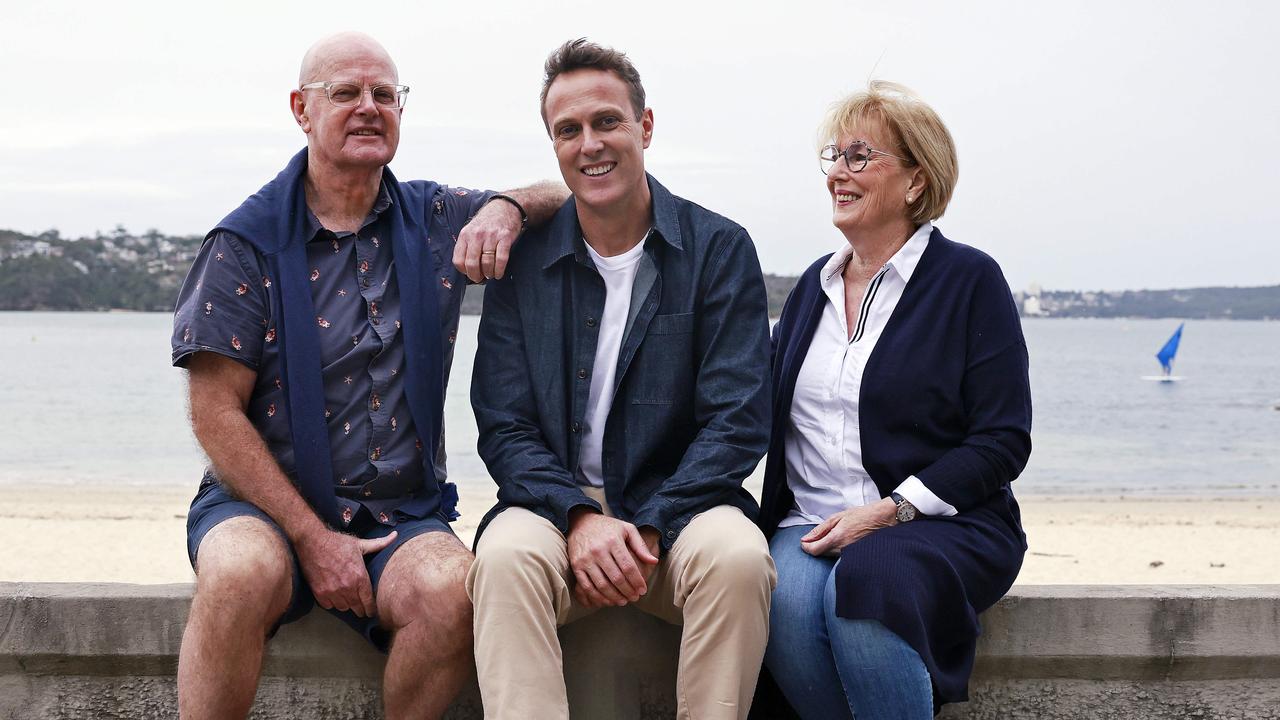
359, 136
336, 51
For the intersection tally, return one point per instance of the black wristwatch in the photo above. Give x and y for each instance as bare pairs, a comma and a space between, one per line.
906, 512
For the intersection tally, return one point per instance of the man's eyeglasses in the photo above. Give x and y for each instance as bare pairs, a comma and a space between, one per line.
345, 94
855, 156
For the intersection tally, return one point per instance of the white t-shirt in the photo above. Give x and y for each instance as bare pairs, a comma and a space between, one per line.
619, 274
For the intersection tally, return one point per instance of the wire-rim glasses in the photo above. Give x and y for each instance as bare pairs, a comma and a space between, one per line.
856, 156
347, 94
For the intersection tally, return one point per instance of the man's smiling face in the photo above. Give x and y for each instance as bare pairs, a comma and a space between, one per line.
598, 140
363, 136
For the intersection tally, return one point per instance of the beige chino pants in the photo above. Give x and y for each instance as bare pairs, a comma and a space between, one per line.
716, 581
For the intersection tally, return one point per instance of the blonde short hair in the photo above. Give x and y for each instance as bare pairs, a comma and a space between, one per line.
917, 132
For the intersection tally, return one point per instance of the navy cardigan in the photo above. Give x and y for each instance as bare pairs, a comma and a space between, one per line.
945, 397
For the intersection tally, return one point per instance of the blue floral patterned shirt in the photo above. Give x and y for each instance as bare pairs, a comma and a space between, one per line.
376, 453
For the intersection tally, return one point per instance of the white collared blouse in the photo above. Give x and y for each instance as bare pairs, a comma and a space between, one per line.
823, 442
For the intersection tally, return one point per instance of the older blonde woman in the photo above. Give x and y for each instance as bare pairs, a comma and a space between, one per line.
902, 413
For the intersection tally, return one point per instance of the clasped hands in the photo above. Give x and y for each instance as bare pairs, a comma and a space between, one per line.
847, 527
612, 560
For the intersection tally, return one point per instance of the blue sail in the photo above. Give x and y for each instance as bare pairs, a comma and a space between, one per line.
1165, 356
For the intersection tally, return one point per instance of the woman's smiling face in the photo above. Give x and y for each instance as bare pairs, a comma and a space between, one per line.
876, 197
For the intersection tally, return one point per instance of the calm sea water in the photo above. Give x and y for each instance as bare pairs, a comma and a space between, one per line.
91, 398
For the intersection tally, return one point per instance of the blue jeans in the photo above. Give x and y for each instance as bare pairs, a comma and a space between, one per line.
829, 666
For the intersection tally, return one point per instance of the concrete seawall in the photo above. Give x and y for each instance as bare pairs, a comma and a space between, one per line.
110, 651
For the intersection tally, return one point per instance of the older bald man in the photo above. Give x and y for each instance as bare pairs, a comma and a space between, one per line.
317, 327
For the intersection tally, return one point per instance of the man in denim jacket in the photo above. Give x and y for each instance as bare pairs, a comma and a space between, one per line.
622, 393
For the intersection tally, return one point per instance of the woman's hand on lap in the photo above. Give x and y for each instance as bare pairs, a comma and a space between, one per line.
847, 527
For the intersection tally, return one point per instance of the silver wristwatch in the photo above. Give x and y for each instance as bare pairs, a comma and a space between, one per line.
906, 512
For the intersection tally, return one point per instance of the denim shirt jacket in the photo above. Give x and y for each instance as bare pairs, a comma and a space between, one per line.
690, 418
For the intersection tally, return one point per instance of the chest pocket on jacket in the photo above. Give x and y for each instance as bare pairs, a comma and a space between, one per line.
663, 368
671, 324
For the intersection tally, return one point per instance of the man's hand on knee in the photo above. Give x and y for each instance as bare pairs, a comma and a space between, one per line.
333, 564
609, 558
650, 536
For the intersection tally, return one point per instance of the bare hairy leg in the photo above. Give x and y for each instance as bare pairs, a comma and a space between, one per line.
422, 599
244, 580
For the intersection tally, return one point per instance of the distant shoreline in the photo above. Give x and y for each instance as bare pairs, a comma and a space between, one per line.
121, 271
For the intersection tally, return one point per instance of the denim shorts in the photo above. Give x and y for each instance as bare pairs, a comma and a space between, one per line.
213, 504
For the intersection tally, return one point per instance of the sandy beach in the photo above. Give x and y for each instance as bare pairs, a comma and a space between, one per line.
59, 533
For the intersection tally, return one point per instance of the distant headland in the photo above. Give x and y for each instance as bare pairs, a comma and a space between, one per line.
123, 271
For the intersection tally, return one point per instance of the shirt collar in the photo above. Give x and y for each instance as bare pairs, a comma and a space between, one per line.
380, 205
566, 236
665, 220
903, 262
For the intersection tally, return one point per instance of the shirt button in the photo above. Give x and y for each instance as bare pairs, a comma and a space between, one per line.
591, 322
364, 282
582, 373
671, 533
577, 427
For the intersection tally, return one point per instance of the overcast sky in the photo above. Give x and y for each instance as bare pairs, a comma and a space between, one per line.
1103, 145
